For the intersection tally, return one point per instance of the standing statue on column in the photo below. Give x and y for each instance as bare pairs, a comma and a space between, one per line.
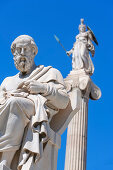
80, 80
81, 48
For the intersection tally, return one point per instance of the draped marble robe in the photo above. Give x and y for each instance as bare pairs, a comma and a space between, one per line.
32, 112
80, 53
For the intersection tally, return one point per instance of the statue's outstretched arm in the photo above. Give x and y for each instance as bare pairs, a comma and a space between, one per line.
70, 52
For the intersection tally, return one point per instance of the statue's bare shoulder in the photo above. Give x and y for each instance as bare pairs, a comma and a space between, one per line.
10, 81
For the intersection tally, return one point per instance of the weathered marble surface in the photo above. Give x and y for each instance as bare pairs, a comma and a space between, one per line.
76, 148
36, 106
29, 102
81, 48
79, 80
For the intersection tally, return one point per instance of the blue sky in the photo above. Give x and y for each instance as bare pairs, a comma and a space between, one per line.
41, 20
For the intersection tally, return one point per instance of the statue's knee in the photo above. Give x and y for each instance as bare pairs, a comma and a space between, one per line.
14, 101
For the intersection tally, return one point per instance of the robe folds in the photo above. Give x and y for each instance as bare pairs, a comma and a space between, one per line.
24, 117
81, 57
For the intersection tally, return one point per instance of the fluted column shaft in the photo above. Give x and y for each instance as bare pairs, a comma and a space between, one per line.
76, 147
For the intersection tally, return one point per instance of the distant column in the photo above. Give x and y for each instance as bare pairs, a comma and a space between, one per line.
76, 148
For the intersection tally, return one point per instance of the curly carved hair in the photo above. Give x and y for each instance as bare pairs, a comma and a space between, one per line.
24, 38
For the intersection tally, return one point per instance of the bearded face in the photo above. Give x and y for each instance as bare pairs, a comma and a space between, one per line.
23, 58
23, 64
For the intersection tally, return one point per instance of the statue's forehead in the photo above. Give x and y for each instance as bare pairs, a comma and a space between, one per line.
23, 44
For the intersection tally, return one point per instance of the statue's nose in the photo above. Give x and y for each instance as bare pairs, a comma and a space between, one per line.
22, 51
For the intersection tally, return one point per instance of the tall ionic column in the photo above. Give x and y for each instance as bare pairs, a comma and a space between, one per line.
77, 140
76, 148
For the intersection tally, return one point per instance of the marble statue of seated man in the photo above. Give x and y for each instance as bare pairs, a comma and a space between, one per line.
28, 101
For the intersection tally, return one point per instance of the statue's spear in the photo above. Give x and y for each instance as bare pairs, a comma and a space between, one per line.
58, 40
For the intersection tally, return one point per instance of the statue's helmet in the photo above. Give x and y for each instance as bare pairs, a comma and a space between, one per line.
82, 26
26, 39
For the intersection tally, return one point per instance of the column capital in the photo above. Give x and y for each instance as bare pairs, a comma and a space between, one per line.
81, 80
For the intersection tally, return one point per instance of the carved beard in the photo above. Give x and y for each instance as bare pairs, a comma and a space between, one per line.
23, 64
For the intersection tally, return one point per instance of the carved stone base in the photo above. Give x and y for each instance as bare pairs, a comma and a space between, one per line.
3, 167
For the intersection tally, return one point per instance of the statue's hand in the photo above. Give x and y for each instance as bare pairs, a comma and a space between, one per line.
88, 45
35, 87
68, 53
